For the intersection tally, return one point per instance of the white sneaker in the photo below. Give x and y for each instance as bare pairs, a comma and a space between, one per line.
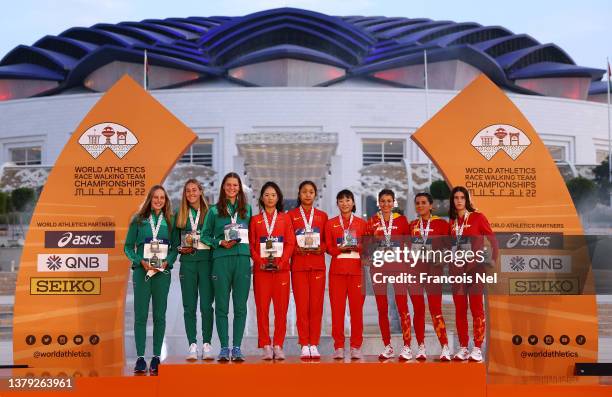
314, 352
462, 354
445, 355
339, 354
476, 355
421, 353
305, 352
356, 353
192, 354
267, 353
387, 353
278, 353
207, 352
405, 354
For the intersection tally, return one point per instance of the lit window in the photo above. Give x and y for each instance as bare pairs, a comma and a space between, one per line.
199, 153
557, 152
382, 151
26, 156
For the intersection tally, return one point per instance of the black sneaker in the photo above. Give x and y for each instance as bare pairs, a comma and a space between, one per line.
141, 366
154, 365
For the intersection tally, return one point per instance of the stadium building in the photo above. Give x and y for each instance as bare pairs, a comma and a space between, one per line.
287, 95
290, 94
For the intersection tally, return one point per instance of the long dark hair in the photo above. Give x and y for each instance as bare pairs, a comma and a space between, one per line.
304, 183
145, 210
452, 213
183, 212
386, 192
279, 194
241, 198
345, 193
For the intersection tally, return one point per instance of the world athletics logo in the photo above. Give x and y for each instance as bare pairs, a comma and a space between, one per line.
115, 137
498, 137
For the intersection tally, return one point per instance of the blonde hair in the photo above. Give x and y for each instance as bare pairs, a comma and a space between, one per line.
183, 212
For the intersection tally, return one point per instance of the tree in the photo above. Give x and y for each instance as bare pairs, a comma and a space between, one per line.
439, 190
583, 192
602, 180
21, 198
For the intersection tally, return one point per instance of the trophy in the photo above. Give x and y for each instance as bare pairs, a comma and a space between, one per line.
270, 265
189, 242
155, 262
348, 241
310, 243
233, 233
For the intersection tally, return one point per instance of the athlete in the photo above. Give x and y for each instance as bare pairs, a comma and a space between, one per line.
196, 269
428, 231
226, 231
151, 248
468, 229
343, 237
308, 268
389, 229
272, 242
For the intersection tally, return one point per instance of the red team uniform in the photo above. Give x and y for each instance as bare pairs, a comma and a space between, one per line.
271, 286
437, 233
345, 281
308, 279
476, 228
399, 228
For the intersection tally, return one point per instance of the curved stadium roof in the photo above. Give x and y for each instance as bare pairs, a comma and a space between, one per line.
208, 47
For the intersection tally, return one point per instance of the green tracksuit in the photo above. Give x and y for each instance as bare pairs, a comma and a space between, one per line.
231, 273
156, 288
196, 278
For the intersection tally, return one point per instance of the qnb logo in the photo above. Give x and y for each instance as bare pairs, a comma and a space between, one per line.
115, 137
68, 237
517, 263
73, 262
528, 241
504, 137
54, 262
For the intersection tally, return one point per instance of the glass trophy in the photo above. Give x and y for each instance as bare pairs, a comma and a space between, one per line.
349, 241
270, 264
310, 243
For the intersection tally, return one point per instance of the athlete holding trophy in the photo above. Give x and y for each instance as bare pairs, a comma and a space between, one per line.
151, 247
308, 269
342, 234
428, 232
389, 230
226, 232
468, 229
196, 269
272, 243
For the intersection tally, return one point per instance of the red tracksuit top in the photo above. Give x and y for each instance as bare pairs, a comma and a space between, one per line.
438, 231
305, 262
334, 236
400, 227
282, 228
477, 227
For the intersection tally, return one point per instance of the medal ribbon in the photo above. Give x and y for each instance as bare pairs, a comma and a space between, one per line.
307, 224
459, 231
386, 231
425, 232
342, 223
194, 223
269, 228
155, 228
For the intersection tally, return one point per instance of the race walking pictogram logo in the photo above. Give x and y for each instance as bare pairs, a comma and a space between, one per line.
503, 137
115, 137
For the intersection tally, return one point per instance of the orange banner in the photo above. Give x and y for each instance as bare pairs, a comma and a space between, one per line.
538, 323
70, 297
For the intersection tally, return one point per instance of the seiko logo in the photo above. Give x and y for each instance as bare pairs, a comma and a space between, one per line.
79, 239
536, 263
526, 240
64, 286
73, 262
561, 286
